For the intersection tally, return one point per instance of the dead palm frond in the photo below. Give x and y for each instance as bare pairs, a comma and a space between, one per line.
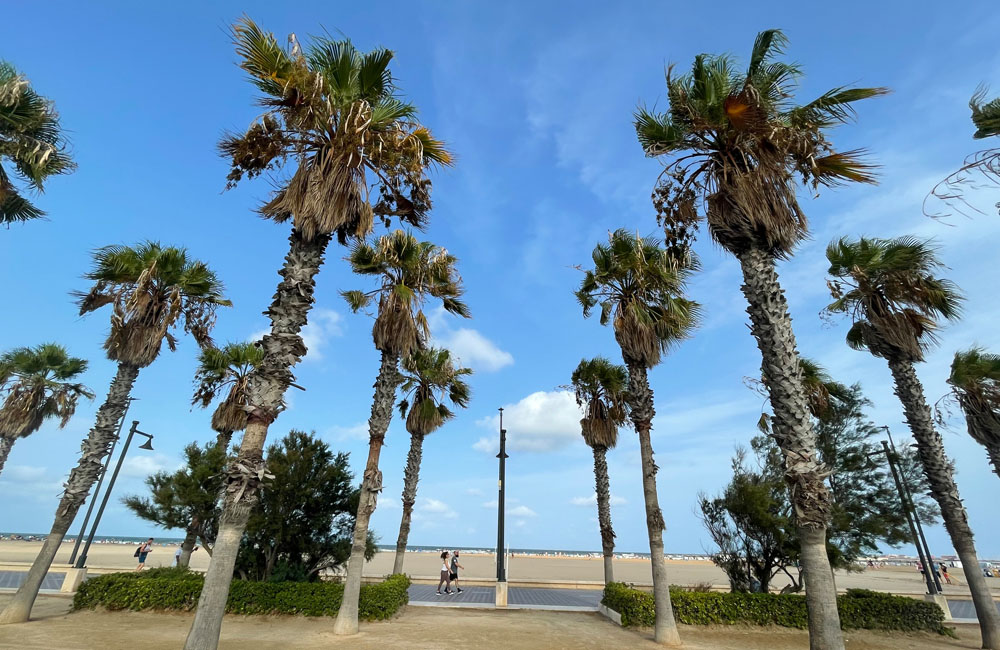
601, 387
35, 384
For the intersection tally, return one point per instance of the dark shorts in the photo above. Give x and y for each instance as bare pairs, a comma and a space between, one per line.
453, 576
142, 557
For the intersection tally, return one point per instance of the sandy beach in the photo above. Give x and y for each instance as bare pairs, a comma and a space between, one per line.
483, 567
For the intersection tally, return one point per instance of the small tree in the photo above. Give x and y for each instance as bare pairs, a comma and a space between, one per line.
35, 384
30, 139
226, 369
187, 499
303, 522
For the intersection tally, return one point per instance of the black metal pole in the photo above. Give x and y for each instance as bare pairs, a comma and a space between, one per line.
908, 495
82, 560
100, 481
890, 457
501, 569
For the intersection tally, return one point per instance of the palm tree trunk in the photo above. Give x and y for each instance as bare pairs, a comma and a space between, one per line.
640, 397
385, 394
95, 447
993, 451
603, 485
771, 326
283, 348
410, 477
5, 447
940, 475
223, 439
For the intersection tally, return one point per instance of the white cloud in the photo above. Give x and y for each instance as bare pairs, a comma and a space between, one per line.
468, 345
542, 421
522, 511
615, 500
25, 473
388, 503
142, 465
323, 325
357, 431
428, 508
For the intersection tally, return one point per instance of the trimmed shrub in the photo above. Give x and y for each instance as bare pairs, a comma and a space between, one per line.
859, 609
178, 589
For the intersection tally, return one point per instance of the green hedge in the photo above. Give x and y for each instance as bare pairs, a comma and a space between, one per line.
859, 609
178, 589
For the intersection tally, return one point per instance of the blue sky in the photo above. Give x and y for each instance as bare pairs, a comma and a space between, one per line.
536, 100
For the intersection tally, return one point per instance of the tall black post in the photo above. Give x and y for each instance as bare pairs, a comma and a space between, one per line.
82, 560
916, 518
501, 568
928, 569
100, 481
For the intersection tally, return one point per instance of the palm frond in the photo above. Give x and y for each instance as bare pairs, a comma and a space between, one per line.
985, 114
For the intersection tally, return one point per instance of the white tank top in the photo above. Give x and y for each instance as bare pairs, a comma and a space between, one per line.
444, 566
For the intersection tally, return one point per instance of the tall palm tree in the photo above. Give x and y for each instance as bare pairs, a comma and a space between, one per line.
822, 392
225, 368
600, 388
638, 286
429, 377
30, 139
889, 290
408, 272
152, 289
37, 386
737, 144
335, 119
975, 383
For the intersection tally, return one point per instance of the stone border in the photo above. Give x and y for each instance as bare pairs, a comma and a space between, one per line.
611, 614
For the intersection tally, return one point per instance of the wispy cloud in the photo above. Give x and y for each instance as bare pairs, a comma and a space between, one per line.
468, 345
614, 499
541, 422
324, 324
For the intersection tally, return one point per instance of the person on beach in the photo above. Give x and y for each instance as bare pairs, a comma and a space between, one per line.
445, 576
144, 549
944, 573
178, 552
455, 566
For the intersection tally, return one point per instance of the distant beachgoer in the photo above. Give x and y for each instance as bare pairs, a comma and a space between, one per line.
455, 566
944, 573
445, 576
144, 549
179, 552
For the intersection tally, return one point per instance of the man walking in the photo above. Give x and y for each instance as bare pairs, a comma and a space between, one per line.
144, 549
455, 566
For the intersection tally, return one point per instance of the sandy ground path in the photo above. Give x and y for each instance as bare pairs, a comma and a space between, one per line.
416, 628
893, 579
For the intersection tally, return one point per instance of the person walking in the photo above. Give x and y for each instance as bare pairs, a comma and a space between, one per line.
944, 573
445, 576
179, 552
144, 549
455, 566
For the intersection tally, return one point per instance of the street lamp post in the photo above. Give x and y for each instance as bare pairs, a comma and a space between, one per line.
148, 445
501, 569
100, 481
928, 570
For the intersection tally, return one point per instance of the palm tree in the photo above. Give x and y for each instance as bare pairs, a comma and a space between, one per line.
638, 286
333, 114
429, 376
600, 388
152, 289
224, 368
889, 290
37, 385
738, 144
30, 139
986, 119
408, 272
975, 383
823, 393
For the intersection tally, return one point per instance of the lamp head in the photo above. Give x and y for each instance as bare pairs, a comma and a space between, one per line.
148, 445
503, 431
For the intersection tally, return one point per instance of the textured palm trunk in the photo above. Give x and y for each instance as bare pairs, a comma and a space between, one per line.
603, 489
283, 348
993, 451
771, 326
5, 446
223, 439
940, 475
410, 478
95, 447
640, 397
187, 546
385, 395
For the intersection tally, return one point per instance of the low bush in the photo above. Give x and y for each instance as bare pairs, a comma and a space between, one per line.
859, 609
178, 589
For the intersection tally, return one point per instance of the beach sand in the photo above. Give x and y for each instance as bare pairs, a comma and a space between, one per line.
418, 628
114, 556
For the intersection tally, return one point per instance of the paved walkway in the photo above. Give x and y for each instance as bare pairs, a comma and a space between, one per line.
13, 579
573, 600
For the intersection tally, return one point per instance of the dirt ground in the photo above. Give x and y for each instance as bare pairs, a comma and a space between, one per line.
416, 628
